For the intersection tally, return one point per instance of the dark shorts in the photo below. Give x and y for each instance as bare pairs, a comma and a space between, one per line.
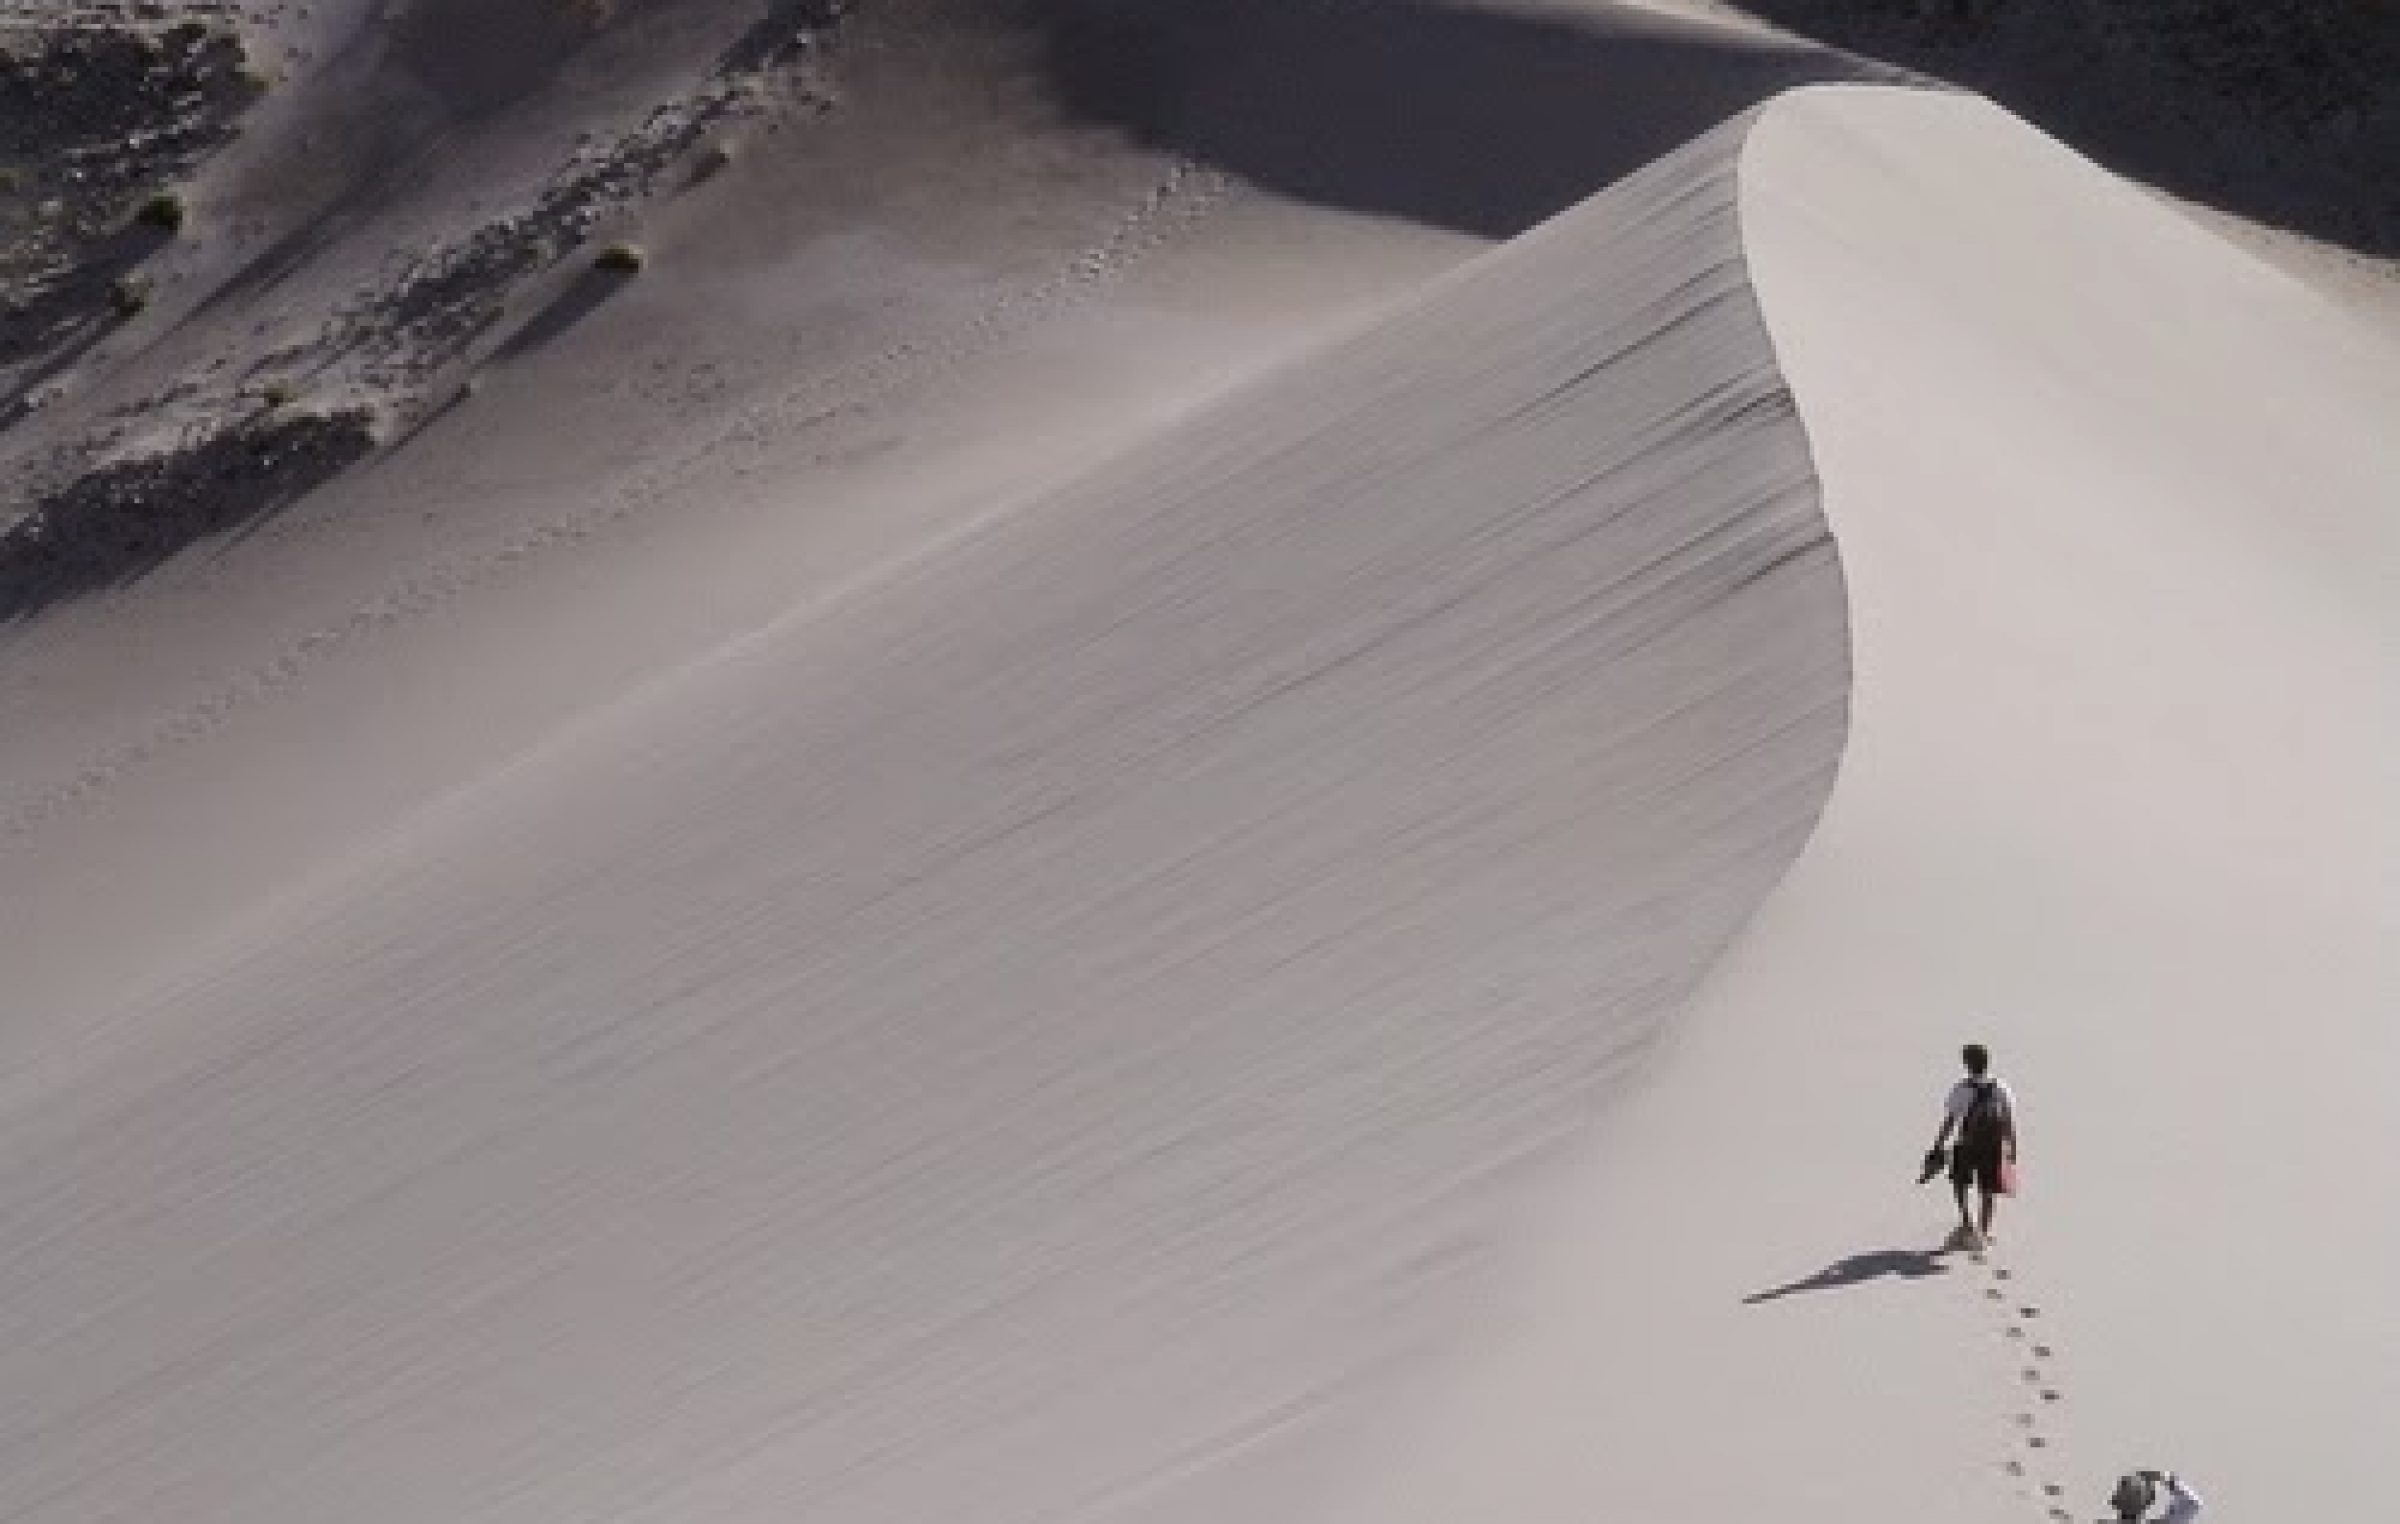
1978, 1167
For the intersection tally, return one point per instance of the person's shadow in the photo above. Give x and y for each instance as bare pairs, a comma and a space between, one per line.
1857, 1269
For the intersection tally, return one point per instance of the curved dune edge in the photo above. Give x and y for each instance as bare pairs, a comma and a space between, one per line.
1041, 1035
2114, 506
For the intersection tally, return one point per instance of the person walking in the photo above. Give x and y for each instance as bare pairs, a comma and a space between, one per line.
1981, 1111
2140, 1491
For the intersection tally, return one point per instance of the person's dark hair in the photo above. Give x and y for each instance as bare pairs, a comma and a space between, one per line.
2133, 1497
1978, 1058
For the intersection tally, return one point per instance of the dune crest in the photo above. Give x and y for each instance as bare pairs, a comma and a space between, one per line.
1041, 1033
1087, 817
2113, 499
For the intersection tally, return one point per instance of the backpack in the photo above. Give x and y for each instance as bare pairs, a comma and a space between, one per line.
1985, 1126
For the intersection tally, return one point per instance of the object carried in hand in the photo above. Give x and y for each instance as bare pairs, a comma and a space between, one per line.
1936, 1160
2008, 1177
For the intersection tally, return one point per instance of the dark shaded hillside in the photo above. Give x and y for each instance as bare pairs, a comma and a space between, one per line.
1476, 118
2286, 111
118, 448
92, 119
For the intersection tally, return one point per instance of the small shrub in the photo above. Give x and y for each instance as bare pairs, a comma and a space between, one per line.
130, 294
165, 211
621, 259
279, 394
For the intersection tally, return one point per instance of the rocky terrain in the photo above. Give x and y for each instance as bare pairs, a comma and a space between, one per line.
136, 137
109, 112
97, 118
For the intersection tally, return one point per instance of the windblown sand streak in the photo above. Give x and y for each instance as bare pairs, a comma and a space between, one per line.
1120, 805
1029, 1038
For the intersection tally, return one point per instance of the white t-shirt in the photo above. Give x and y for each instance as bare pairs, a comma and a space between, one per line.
1962, 1096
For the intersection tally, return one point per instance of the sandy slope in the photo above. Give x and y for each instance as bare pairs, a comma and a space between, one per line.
2115, 506
1038, 1035
862, 333
874, 326
966, 914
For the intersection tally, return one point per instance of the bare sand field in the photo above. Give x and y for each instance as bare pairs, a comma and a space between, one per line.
1086, 761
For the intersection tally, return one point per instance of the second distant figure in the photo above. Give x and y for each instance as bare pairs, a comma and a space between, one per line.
1979, 1125
2138, 1491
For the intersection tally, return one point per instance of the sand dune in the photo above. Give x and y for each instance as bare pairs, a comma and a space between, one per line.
1088, 817
866, 330
1052, 1014
2114, 508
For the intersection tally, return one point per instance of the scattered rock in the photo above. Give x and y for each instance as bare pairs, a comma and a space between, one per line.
123, 518
712, 161
97, 108
103, 105
131, 294
164, 211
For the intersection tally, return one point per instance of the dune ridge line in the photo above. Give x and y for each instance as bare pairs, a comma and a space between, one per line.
1070, 1015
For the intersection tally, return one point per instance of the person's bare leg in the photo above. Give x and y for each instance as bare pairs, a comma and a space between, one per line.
1989, 1201
1966, 1220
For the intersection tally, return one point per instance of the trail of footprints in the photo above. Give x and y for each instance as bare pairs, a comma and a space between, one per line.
1183, 197
2031, 1451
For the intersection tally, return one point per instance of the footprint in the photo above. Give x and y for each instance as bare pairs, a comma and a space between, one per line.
2029, 1312
2014, 1468
2036, 1442
2050, 1394
2042, 1351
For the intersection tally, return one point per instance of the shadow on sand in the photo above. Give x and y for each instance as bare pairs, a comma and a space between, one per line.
578, 299
115, 524
1857, 1270
1472, 119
